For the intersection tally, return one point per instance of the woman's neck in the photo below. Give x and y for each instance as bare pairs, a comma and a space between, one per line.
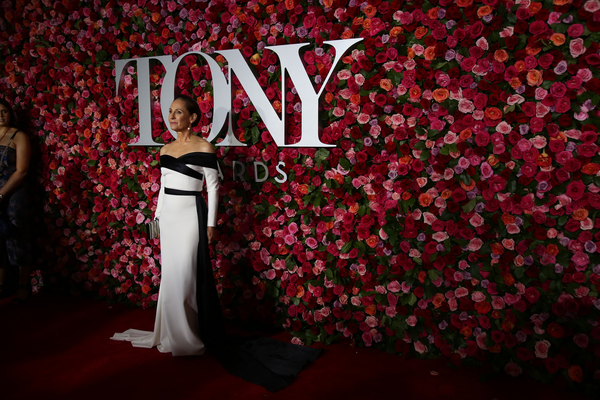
184, 136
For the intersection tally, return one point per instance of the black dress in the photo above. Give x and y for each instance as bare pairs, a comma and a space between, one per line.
15, 213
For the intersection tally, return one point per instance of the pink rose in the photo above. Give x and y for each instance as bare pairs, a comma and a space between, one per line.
481, 341
476, 220
524, 145
592, 6
420, 347
486, 171
581, 260
581, 340
512, 369
581, 292
475, 244
541, 349
497, 303
393, 286
511, 299
478, 297
513, 229
576, 47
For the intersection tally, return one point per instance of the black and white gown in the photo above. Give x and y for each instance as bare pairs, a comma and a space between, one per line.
186, 274
189, 320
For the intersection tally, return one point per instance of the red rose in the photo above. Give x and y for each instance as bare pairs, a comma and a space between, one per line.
587, 149
575, 190
538, 27
562, 175
565, 120
556, 146
572, 225
545, 61
476, 29
563, 105
532, 295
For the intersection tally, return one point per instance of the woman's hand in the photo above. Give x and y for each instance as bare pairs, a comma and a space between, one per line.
210, 233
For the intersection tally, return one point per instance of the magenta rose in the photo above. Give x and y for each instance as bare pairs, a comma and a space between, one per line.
581, 340
587, 149
580, 259
575, 30
528, 108
556, 146
482, 139
468, 63
558, 89
562, 175
589, 137
536, 125
532, 294
529, 169
545, 61
563, 105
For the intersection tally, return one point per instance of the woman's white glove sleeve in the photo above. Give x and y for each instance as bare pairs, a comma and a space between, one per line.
161, 194
211, 177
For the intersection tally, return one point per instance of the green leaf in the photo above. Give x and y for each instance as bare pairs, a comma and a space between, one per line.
329, 274
419, 146
346, 248
345, 164
433, 274
467, 208
412, 299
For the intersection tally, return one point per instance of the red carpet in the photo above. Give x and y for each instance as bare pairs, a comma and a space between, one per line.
56, 347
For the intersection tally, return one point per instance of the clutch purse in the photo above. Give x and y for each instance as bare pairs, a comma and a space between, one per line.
153, 230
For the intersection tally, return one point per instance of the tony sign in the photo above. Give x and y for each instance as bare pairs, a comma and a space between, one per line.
291, 63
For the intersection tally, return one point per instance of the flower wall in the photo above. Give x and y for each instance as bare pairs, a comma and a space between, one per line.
456, 216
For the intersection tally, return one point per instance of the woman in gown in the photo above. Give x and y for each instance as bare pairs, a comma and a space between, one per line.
15, 203
188, 317
186, 228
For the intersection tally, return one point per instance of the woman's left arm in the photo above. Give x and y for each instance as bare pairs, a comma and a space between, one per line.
23, 155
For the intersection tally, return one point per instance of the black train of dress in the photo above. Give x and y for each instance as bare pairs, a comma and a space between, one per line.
263, 361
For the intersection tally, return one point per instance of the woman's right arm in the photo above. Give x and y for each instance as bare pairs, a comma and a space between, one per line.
161, 193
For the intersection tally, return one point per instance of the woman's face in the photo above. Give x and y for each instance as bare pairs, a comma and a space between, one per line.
4, 116
179, 117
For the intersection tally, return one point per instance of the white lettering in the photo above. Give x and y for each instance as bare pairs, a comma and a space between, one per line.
291, 63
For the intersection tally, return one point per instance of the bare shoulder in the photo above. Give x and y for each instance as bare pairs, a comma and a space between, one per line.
21, 139
205, 146
21, 136
164, 149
